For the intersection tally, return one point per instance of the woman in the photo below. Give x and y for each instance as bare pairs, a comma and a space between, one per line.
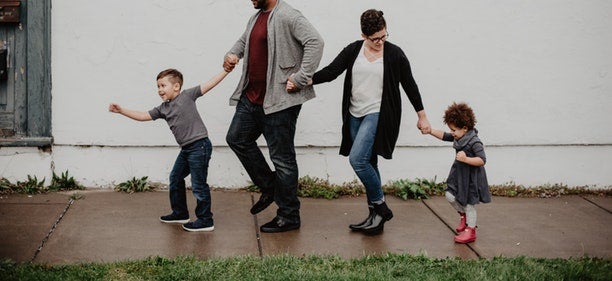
371, 108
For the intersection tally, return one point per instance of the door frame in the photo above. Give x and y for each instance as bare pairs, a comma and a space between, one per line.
36, 22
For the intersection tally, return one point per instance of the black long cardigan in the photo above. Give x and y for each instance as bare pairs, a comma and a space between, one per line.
396, 71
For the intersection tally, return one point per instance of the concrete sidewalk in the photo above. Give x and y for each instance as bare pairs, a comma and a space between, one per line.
108, 226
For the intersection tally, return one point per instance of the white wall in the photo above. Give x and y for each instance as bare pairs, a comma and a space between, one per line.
537, 73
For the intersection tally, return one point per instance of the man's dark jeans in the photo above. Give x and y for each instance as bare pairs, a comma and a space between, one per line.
193, 159
278, 128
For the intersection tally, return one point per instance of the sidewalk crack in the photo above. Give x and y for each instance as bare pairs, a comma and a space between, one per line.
257, 233
592, 202
42, 243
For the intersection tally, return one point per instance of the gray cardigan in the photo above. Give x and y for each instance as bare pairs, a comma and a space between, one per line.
294, 46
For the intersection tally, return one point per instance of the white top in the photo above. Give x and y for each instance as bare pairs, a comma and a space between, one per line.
367, 85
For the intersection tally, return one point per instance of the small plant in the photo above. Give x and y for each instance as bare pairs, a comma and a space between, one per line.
352, 188
134, 185
6, 186
252, 188
320, 188
417, 189
544, 191
77, 196
316, 188
31, 186
64, 183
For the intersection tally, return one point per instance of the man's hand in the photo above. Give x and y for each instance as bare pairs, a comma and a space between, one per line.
230, 62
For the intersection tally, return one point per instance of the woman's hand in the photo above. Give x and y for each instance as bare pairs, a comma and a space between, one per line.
291, 87
423, 123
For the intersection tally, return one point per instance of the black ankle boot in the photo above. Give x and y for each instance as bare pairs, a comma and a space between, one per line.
382, 214
366, 222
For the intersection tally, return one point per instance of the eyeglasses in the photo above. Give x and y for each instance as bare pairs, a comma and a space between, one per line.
379, 39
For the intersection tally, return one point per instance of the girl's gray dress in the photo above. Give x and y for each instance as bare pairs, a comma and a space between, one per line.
468, 183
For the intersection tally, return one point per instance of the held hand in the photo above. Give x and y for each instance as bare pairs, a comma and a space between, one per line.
291, 87
461, 157
424, 126
230, 62
113, 107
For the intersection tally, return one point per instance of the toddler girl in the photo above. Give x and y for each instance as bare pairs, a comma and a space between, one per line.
467, 181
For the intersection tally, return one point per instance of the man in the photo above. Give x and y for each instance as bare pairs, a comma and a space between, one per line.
278, 45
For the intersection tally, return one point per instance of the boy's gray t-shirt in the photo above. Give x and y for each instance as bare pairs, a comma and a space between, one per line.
182, 116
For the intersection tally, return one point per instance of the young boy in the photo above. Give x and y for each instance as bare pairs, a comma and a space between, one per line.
180, 112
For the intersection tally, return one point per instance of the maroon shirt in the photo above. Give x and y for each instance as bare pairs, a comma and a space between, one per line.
258, 60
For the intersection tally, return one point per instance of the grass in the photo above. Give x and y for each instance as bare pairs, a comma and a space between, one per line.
545, 191
32, 185
135, 185
424, 188
313, 187
64, 183
286, 267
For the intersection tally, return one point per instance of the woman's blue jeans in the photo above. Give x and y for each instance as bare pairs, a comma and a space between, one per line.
193, 159
278, 128
362, 157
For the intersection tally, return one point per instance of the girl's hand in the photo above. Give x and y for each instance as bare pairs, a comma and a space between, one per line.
461, 157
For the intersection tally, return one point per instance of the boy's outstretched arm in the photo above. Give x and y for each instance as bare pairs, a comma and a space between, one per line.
208, 85
136, 115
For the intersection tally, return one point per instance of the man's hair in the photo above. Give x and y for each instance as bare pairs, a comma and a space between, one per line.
460, 115
174, 76
372, 21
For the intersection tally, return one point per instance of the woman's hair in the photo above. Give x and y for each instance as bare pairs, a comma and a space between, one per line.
174, 76
372, 21
460, 115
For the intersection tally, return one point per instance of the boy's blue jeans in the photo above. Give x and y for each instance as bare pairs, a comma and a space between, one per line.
362, 157
193, 159
278, 128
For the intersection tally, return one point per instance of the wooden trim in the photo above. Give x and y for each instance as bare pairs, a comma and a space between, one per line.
21, 142
38, 79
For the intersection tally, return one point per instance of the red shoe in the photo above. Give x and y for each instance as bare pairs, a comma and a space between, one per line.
462, 224
467, 236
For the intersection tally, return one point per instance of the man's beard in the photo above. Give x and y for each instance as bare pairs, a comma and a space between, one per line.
261, 4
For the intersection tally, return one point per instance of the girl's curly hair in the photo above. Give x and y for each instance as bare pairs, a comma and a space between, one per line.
372, 21
460, 115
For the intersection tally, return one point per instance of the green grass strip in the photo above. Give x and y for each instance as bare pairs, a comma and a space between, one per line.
285, 267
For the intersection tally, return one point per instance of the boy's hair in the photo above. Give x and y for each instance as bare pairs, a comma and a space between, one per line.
460, 115
372, 21
174, 76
